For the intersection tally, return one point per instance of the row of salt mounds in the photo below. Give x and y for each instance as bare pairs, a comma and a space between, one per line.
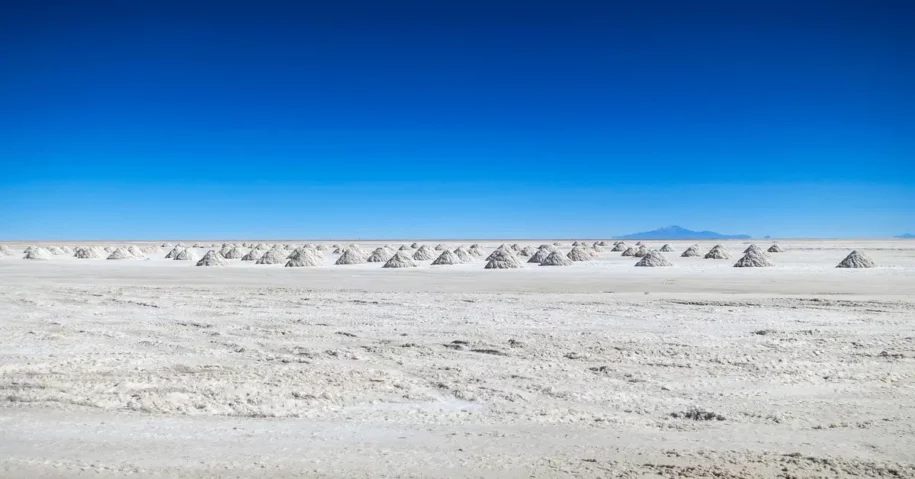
212, 258
38, 253
555, 258
273, 256
579, 254
690, 252
718, 252
424, 253
187, 254
305, 257
380, 255
400, 260
754, 259
463, 255
856, 259
89, 252
776, 249
350, 256
666, 249
653, 259
502, 259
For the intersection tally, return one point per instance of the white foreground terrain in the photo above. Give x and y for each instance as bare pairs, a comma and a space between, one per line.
157, 368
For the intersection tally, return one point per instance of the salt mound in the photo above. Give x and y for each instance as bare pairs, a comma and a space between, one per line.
274, 256
667, 249
630, 251
350, 256
174, 252
414, 245
403, 247
447, 257
150, 249
322, 247
108, 249
515, 247
440, 247
120, 253
548, 247
578, 254
642, 251
776, 249
502, 259
187, 254
653, 259
304, 259
619, 247
6, 251
224, 250
401, 260
463, 255
556, 243
476, 250
37, 253
212, 258
638, 243
262, 246
166, 245
526, 251
56, 251
753, 260
501, 248
380, 255
233, 253
541, 254
197, 245
753, 249
597, 247
576, 244
556, 258
424, 253
857, 259
602, 243
337, 250
136, 252
253, 255
717, 252
691, 251
88, 253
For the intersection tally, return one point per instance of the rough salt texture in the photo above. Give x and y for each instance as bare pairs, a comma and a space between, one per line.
556, 258
856, 259
753, 259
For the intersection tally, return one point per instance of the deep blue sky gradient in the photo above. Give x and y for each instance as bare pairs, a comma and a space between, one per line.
455, 119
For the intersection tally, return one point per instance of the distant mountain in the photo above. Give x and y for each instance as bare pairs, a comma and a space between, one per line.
905, 236
678, 233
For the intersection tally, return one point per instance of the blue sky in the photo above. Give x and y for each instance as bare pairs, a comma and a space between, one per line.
455, 119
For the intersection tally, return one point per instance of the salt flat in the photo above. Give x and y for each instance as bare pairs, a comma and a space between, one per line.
158, 368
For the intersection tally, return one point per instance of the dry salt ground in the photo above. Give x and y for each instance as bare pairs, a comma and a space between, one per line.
157, 368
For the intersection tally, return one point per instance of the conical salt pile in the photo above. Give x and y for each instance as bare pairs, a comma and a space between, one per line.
322, 247
447, 257
350, 256
233, 253
120, 253
753, 249
108, 249
857, 259
502, 259
37, 253
424, 253
440, 247
638, 243
463, 255
337, 250
642, 251
578, 254
150, 249
619, 247
556, 243
526, 251
541, 254
776, 249
253, 255
653, 259
667, 249
6, 250
224, 250
88, 253
187, 254
304, 261
414, 245
274, 256
476, 250
166, 245
548, 247
602, 243
556, 258
515, 247
212, 258
717, 252
401, 260
576, 244
56, 251
690, 252
597, 247
403, 247
262, 246
630, 251
753, 260
136, 252
174, 252
380, 255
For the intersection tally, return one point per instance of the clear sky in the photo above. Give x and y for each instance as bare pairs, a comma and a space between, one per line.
434, 119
